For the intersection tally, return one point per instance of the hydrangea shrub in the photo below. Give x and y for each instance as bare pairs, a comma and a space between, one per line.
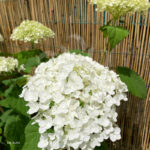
70, 102
74, 99
8, 64
116, 34
31, 31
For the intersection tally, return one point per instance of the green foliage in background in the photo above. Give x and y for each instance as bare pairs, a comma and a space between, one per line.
30, 59
14, 119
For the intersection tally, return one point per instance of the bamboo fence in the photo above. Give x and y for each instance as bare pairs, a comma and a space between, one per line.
76, 25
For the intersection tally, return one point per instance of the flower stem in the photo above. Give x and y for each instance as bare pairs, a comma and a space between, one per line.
105, 50
33, 45
103, 56
104, 53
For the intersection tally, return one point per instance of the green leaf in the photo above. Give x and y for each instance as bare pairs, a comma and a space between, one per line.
51, 130
0, 130
32, 137
31, 62
82, 103
9, 90
13, 127
51, 104
9, 82
104, 146
13, 86
25, 55
115, 34
14, 131
30, 58
136, 85
90, 93
4, 103
5, 116
29, 53
79, 52
20, 81
8, 75
17, 104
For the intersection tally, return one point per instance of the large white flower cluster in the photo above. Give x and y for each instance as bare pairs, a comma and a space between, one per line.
8, 64
31, 31
121, 7
74, 100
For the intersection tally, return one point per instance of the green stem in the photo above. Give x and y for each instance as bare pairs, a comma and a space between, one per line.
104, 54
33, 45
115, 20
109, 22
105, 50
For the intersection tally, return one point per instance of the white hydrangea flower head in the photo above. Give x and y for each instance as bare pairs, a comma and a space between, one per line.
31, 31
74, 100
1, 38
8, 64
121, 7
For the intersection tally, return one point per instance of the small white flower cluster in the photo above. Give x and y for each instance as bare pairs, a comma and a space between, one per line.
121, 7
8, 64
31, 31
74, 99
1, 38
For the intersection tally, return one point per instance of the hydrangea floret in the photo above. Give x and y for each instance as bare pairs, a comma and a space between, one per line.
1, 38
31, 31
8, 64
74, 99
121, 7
